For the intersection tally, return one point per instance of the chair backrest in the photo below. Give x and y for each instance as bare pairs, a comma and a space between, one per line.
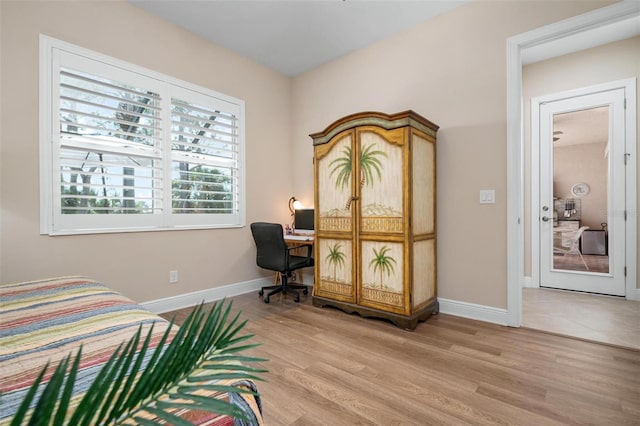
270, 246
574, 245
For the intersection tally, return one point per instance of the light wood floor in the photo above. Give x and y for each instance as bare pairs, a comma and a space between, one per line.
606, 319
330, 368
572, 262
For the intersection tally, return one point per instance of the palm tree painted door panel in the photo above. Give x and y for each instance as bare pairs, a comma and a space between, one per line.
335, 262
381, 218
335, 228
382, 276
381, 178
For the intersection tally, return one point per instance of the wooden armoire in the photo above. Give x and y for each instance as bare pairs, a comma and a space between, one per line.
375, 241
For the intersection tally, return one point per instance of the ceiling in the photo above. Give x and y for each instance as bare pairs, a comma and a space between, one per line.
581, 127
296, 36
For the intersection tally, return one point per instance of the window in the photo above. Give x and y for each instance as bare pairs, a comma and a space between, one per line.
128, 149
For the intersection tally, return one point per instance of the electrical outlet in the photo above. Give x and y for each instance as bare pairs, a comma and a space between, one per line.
173, 277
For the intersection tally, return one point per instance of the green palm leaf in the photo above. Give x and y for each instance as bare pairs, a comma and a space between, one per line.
203, 350
383, 262
31, 393
342, 165
370, 163
335, 257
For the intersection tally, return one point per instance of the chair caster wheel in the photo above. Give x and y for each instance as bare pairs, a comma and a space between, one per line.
266, 299
296, 299
305, 291
260, 293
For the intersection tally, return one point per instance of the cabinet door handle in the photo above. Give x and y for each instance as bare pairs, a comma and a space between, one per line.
351, 200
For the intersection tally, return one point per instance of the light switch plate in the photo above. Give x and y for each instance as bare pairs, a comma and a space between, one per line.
487, 196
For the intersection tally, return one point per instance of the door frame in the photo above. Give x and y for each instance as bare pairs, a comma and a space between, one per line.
629, 86
594, 20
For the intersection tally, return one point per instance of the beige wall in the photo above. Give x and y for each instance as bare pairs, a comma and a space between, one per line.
137, 264
611, 62
583, 163
451, 69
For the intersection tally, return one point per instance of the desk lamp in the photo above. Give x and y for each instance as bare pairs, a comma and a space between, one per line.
294, 205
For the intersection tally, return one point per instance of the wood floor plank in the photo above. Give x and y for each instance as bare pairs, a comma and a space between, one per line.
331, 368
539, 407
427, 396
413, 405
555, 372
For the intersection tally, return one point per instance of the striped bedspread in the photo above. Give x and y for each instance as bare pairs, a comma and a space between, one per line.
43, 321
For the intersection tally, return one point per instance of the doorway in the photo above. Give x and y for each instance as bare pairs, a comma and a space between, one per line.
578, 215
569, 35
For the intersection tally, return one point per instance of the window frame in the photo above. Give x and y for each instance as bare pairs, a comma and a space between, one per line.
53, 221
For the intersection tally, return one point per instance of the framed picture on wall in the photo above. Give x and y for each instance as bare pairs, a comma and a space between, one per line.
580, 189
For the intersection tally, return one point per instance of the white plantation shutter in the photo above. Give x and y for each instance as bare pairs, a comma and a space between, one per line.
205, 155
127, 149
110, 146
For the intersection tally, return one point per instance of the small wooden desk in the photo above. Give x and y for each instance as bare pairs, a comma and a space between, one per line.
293, 240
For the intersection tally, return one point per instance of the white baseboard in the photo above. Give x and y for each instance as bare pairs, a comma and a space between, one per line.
218, 293
451, 307
473, 311
527, 282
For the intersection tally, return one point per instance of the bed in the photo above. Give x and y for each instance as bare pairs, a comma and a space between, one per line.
45, 320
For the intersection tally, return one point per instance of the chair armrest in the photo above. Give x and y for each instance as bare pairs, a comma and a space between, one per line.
299, 246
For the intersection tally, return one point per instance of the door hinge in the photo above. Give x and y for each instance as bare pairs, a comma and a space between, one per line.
626, 158
625, 215
625, 270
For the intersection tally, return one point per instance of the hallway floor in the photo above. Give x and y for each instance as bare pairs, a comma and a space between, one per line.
607, 319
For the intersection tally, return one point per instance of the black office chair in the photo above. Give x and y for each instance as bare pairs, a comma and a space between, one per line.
274, 254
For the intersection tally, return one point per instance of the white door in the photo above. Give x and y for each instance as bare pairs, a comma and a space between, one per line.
582, 189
